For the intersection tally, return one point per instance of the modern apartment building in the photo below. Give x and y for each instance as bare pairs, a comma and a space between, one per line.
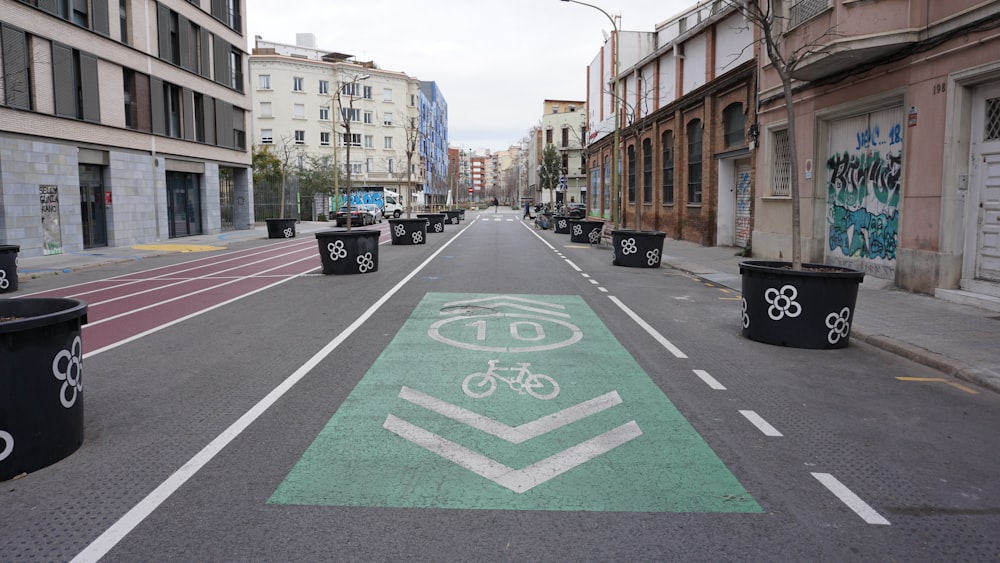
685, 102
434, 143
121, 122
897, 114
328, 105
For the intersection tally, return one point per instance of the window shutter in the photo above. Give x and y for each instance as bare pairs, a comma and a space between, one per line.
163, 31
17, 88
63, 80
206, 53
187, 125
99, 17
90, 90
157, 109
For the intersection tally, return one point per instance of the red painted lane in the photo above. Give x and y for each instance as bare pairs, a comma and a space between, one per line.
160, 313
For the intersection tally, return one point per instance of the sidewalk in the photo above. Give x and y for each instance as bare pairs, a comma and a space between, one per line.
962, 341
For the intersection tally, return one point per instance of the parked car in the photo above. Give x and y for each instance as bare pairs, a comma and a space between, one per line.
377, 212
359, 216
576, 210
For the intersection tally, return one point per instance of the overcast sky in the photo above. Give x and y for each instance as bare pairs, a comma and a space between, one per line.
494, 61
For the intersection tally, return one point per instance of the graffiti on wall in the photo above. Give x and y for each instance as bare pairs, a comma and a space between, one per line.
743, 200
863, 196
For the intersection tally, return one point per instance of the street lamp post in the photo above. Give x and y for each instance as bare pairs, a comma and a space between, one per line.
615, 101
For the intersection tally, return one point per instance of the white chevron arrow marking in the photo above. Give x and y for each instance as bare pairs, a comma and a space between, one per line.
517, 480
497, 301
512, 434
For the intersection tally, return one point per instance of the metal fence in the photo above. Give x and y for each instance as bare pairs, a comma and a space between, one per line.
267, 202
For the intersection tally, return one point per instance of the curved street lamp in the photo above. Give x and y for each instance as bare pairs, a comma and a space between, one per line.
615, 101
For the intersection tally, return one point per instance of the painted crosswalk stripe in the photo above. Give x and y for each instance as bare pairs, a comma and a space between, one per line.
761, 424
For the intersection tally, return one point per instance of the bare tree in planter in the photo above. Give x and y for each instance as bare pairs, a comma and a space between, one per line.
348, 88
766, 16
287, 152
411, 131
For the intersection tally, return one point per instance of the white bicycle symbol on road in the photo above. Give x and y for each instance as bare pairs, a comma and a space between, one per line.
478, 385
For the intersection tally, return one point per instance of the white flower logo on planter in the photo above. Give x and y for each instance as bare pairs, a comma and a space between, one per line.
782, 302
595, 236
337, 250
438, 227
400, 230
289, 233
746, 317
8, 444
839, 325
629, 246
365, 262
4, 282
653, 257
577, 230
68, 368
418, 237
562, 224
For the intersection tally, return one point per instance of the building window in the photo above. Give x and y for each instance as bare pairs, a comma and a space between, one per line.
200, 129
369, 117
667, 146
803, 10
630, 159
264, 82
324, 138
647, 171
352, 114
349, 89
565, 137
172, 110
324, 114
74, 77
300, 137
388, 143
694, 137
369, 141
298, 84
387, 119
236, 70
324, 86
123, 21
387, 94
266, 136
391, 166
548, 136
298, 111
733, 122
367, 92
781, 164
352, 139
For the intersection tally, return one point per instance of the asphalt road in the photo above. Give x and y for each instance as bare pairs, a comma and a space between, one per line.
267, 412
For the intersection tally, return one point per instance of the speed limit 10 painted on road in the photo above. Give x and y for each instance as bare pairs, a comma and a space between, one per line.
522, 402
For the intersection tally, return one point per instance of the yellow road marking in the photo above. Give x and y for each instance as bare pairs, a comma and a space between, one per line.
177, 247
959, 386
574, 246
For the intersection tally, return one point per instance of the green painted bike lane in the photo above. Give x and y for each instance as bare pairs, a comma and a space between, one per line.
520, 402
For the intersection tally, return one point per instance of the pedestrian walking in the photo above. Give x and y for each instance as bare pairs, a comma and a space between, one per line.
496, 204
527, 210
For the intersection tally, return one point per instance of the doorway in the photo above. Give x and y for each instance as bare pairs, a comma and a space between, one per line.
183, 204
93, 206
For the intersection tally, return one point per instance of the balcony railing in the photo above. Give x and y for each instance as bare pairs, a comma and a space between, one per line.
806, 9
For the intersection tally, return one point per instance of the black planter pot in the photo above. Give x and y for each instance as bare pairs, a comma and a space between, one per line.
408, 231
41, 382
584, 230
8, 268
808, 308
561, 224
461, 214
637, 249
452, 217
280, 228
349, 252
435, 221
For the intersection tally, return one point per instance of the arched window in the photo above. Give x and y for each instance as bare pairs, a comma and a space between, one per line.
631, 173
667, 146
647, 171
694, 136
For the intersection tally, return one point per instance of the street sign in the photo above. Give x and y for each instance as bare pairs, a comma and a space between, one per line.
510, 402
